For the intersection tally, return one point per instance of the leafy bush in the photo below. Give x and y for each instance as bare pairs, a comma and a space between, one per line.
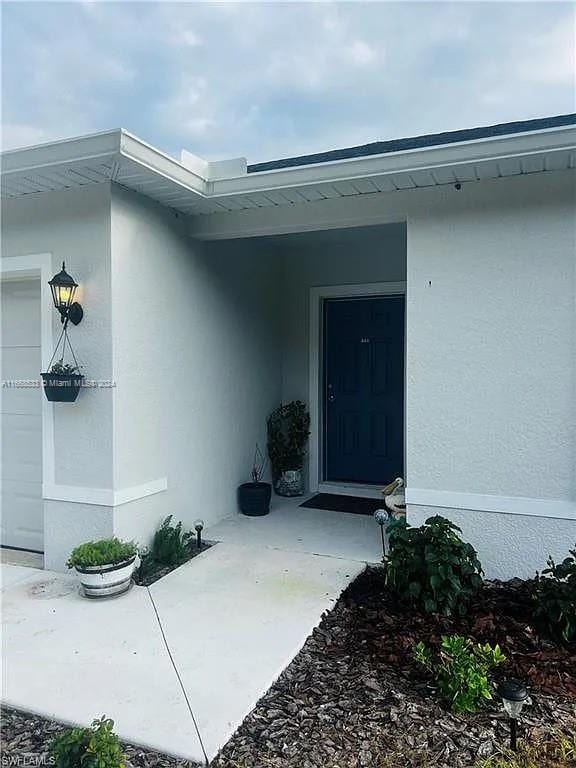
555, 598
103, 552
430, 567
94, 747
461, 670
288, 431
171, 545
63, 368
554, 750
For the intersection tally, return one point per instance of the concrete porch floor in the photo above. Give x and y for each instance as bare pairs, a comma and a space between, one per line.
233, 618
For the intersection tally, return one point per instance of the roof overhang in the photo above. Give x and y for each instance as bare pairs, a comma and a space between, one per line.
120, 157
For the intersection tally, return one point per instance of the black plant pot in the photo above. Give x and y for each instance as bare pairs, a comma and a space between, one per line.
62, 387
254, 498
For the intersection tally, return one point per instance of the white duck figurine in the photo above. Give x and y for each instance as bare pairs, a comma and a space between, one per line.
394, 498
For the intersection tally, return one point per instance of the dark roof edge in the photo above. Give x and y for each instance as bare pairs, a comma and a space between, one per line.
418, 142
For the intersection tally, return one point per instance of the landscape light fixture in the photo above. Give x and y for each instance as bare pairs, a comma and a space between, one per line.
382, 518
63, 288
514, 695
198, 526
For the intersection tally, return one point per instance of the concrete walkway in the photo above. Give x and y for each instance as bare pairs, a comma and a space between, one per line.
233, 618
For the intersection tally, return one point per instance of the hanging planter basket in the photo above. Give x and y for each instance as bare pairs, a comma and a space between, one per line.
62, 381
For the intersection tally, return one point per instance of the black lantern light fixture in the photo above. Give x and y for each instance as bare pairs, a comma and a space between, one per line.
63, 288
514, 695
198, 526
382, 517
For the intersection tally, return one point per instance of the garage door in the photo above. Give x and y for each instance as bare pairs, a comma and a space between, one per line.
22, 511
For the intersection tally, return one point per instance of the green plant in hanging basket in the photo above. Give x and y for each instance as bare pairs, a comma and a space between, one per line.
288, 431
62, 381
63, 368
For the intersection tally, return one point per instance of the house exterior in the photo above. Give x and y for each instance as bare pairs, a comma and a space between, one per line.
443, 268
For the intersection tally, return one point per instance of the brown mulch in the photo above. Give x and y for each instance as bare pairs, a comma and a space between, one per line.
353, 697
25, 740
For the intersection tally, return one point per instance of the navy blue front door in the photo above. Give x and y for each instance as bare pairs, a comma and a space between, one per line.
364, 389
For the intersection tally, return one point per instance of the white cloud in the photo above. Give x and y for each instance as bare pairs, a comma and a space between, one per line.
361, 52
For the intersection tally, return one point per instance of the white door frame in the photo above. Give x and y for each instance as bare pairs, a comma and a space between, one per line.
317, 298
38, 266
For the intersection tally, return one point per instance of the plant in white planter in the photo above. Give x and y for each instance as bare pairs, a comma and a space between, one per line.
104, 567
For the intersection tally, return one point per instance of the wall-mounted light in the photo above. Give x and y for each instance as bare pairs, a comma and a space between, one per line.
63, 288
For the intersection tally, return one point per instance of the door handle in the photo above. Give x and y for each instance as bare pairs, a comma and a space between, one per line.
331, 396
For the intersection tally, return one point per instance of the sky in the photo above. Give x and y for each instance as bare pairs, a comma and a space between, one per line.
270, 80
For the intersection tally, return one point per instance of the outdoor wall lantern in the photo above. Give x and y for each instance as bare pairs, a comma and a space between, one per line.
514, 695
63, 288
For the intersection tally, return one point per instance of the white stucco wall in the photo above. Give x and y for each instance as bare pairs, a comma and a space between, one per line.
491, 394
196, 364
74, 226
333, 257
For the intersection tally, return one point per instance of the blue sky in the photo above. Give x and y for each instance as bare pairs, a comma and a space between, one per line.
276, 79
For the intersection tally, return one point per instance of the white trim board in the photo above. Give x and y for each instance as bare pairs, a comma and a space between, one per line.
479, 502
317, 297
103, 497
38, 266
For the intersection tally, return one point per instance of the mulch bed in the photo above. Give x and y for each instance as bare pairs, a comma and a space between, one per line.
152, 571
353, 697
25, 739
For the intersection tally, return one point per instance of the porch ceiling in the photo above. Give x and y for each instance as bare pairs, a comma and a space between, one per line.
119, 157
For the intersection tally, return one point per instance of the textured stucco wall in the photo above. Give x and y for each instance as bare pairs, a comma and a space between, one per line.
74, 226
491, 341
508, 545
491, 345
333, 257
196, 363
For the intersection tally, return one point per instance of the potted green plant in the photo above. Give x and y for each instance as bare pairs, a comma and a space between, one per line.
254, 497
62, 382
288, 431
104, 567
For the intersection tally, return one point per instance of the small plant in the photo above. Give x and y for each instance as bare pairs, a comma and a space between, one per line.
431, 568
104, 552
550, 750
555, 599
64, 369
94, 747
288, 431
258, 466
171, 545
461, 670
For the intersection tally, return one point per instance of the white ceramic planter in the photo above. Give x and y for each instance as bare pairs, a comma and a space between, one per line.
106, 580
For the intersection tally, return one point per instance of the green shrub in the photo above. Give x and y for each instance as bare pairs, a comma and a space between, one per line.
555, 598
94, 747
430, 567
461, 670
171, 545
103, 552
288, 431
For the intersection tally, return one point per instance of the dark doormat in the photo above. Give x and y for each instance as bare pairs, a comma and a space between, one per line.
357, 505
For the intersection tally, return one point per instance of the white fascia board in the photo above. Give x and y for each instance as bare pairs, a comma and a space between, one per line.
462, 153
161, 164
84, 149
